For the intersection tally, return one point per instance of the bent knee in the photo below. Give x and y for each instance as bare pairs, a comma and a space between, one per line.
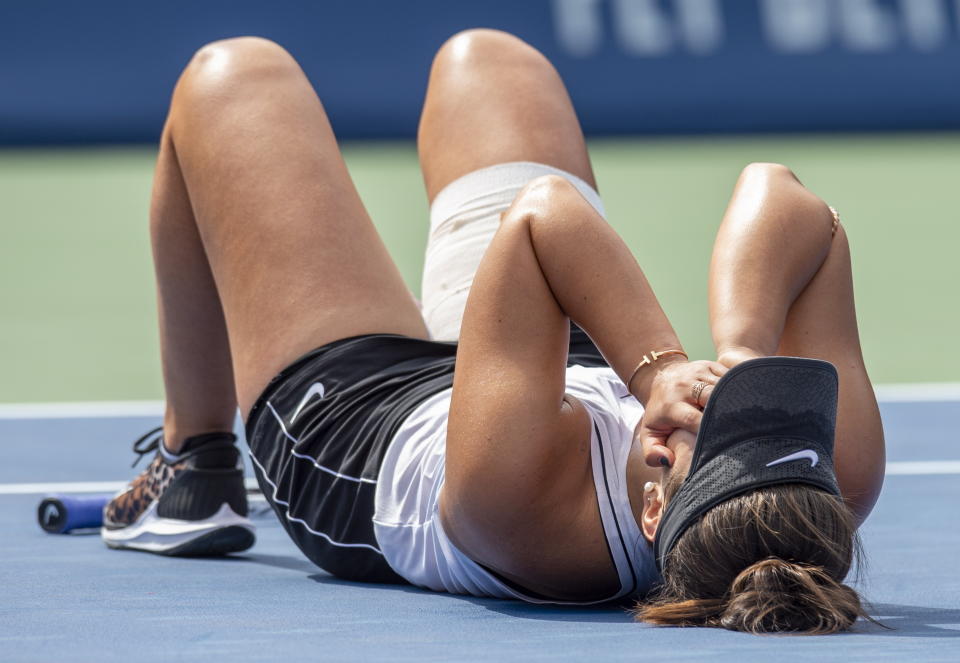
238, 51
482, 45
232, 62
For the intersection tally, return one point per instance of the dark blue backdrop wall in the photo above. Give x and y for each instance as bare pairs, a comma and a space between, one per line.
102, 70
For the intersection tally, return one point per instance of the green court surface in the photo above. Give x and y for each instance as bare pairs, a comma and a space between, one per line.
77, 316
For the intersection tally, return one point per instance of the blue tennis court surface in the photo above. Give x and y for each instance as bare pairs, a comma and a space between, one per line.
69, 598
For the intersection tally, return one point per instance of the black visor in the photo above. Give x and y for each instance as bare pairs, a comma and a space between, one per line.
768, 421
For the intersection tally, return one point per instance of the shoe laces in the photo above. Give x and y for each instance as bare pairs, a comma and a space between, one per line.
147, 443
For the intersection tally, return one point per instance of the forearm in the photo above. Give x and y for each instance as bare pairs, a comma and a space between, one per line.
774, 237
597, 282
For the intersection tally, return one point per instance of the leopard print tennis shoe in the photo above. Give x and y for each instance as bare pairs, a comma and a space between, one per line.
188, 504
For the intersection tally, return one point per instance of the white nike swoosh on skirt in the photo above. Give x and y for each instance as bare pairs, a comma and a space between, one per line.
316, 389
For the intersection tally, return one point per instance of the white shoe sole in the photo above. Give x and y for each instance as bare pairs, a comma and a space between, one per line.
223, 532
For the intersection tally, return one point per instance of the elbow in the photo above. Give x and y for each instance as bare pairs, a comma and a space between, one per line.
540, 196
777, 180
769, 170
547, 200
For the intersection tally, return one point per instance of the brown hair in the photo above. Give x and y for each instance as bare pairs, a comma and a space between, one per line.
770, 560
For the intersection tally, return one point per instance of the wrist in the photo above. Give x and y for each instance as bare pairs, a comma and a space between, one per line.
733, 355
641, 381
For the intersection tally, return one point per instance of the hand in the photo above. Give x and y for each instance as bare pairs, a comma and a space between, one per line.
732, 356
674, 404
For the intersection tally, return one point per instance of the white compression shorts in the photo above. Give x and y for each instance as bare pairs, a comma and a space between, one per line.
464, 216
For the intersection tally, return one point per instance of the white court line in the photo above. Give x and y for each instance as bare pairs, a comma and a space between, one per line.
900, 468
81, 410
65, 487
918, 467
920, 392
81, 487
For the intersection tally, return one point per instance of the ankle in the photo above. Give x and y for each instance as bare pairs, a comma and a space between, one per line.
175, 435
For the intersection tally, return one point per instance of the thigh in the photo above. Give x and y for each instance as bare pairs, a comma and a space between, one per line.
295, 257
495, 110
494, 99
822, 324
319, 458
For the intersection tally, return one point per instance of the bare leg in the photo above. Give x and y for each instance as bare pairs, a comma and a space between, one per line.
259, 236
780, 284
197, 374
493, 99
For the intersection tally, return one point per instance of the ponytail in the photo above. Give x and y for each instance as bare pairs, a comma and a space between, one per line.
768, 561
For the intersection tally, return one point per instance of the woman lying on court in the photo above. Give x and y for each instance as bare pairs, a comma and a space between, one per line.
508, 456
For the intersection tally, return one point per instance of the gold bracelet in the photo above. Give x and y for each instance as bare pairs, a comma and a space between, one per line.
654, 356
836, 220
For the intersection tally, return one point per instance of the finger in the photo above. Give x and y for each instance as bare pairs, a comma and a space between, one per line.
696, 393
708, 371
717, 368
685, 416
708, 377
653, 443
705, 396
655, 451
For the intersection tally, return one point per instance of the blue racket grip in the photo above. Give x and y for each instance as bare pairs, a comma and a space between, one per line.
60, 514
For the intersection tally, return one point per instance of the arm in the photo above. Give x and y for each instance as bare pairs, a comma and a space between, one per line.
518, 452
779, 234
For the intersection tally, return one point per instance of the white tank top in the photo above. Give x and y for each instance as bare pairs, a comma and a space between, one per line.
407, 518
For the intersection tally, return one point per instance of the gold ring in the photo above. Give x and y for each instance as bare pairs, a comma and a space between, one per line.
698, 388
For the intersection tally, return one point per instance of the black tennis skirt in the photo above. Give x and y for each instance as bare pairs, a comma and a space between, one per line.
318, 434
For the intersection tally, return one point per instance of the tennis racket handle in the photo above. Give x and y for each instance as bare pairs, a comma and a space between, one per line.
60, 514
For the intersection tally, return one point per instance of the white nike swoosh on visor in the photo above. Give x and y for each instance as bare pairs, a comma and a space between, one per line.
809, 454
316, 389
